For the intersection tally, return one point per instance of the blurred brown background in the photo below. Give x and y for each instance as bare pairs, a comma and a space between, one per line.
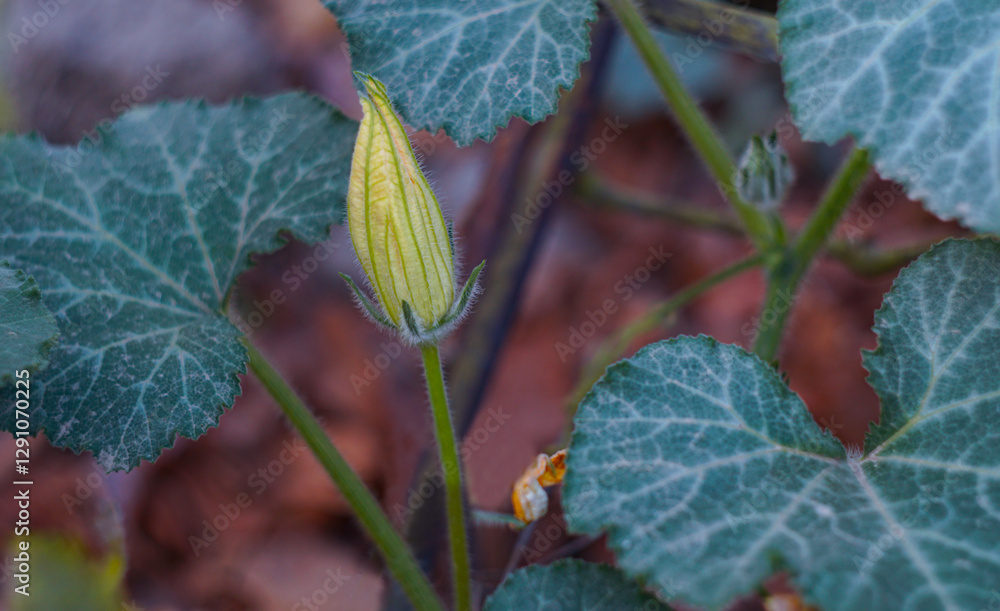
293, 544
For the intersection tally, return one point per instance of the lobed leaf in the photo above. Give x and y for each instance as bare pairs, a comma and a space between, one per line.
468, 67
28, 329
917, 82
135, 241
709, 475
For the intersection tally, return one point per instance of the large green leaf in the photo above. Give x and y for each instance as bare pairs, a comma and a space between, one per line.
917, 82
468, 67
26, 326
135, 243
570, 585
708, 473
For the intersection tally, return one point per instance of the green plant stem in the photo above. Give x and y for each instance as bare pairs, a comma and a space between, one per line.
398, 557
835, 201
692, 120
875, 261
861, 259
600, 193
444, 434
787, 274
740, 28
612, 348
492, 518
521, 168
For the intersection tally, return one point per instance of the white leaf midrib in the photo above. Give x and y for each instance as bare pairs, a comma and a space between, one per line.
911, 550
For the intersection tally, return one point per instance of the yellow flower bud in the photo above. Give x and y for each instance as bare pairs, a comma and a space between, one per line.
396, 224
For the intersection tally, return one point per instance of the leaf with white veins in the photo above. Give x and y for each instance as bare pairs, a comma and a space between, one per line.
709, 475
135, 244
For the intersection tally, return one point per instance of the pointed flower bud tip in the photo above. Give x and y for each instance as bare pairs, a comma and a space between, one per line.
764, 173
396, 224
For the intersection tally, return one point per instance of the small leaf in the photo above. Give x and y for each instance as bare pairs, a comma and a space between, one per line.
482, 517
135, 242
468, 290
411, 322
917, 82
708, 474
27, 328
461, 307
369, 308
570, 585
468, 67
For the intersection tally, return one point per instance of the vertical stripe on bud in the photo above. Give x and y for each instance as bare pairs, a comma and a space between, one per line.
396, 224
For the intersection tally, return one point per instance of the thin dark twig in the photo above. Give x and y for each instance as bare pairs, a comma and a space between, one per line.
515, 552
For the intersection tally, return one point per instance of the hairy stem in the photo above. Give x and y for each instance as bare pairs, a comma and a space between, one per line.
398, 557
692, 120
786, 275
613, 347
512, 249
444, 434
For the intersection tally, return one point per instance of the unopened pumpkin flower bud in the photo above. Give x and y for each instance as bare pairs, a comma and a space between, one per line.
764, 173
398, 230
